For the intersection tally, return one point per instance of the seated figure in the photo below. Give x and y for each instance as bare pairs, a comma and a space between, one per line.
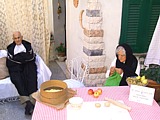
125, 64
22, 70
8, 92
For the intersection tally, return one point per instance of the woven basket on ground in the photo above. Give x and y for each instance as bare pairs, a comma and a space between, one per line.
154, 84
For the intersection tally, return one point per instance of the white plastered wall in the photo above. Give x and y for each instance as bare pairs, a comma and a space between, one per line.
111, 10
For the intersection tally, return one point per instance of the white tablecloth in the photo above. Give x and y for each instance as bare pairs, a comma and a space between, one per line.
138, 111
89, 111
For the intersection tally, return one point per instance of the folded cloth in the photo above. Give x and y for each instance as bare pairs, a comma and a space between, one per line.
153, 56
113, 80
3, 53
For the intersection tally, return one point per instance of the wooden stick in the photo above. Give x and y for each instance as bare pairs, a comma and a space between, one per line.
119, 104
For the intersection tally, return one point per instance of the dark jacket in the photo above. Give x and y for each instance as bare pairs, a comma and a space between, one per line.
130, 65
20, 58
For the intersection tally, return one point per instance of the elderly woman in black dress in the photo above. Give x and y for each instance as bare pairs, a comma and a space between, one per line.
125, 64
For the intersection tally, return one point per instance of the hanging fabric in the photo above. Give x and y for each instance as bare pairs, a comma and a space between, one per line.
153, 56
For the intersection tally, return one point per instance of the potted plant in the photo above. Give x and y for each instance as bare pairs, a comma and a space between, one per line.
153, 76
61, 49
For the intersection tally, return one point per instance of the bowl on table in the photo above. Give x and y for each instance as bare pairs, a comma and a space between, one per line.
76, 102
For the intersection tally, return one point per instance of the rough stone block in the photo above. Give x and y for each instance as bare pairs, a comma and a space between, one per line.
93, 40
93, 13
93, 33
92, 52
97, 46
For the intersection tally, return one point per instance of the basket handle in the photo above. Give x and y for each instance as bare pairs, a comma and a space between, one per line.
81, 18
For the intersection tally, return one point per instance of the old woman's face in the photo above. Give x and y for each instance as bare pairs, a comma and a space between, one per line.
121, 56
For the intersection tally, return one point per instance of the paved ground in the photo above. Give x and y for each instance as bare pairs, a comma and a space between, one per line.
15, 111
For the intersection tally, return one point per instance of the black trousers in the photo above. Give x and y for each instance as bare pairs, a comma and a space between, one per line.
25, 78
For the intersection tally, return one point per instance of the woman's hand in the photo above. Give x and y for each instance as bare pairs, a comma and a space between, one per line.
112, 70
119, 70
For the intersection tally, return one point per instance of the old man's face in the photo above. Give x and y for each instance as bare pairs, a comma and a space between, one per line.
17, 37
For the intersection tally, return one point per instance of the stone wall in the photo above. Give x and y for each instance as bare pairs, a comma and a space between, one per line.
93, 44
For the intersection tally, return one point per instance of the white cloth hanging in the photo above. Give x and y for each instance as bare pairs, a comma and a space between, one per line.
153, 54
3, 53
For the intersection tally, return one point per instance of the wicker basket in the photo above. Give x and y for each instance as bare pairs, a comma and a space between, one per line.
53, 98
155, 85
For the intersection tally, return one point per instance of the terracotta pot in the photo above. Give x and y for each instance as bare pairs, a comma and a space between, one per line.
61, 54
154, 84
61, 59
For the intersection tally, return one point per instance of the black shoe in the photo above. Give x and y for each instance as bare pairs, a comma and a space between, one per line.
29, 108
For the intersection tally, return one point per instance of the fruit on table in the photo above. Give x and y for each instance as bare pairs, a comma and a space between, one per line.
99, 90
144, 81
143, 78
90, 92
96, 94
138, 77
141, 81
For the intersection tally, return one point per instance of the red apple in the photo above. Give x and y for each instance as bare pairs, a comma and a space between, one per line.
99, 90
96, 94
90, 92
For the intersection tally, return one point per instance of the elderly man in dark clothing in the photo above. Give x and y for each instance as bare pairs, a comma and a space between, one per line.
22, 70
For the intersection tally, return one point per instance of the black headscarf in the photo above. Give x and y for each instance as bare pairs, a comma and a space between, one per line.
130, 65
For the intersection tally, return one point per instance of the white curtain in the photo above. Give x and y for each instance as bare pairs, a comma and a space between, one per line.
30, 17
153, 54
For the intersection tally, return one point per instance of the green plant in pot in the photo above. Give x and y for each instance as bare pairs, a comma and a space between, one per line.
153, 76
61, 49
152, 73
